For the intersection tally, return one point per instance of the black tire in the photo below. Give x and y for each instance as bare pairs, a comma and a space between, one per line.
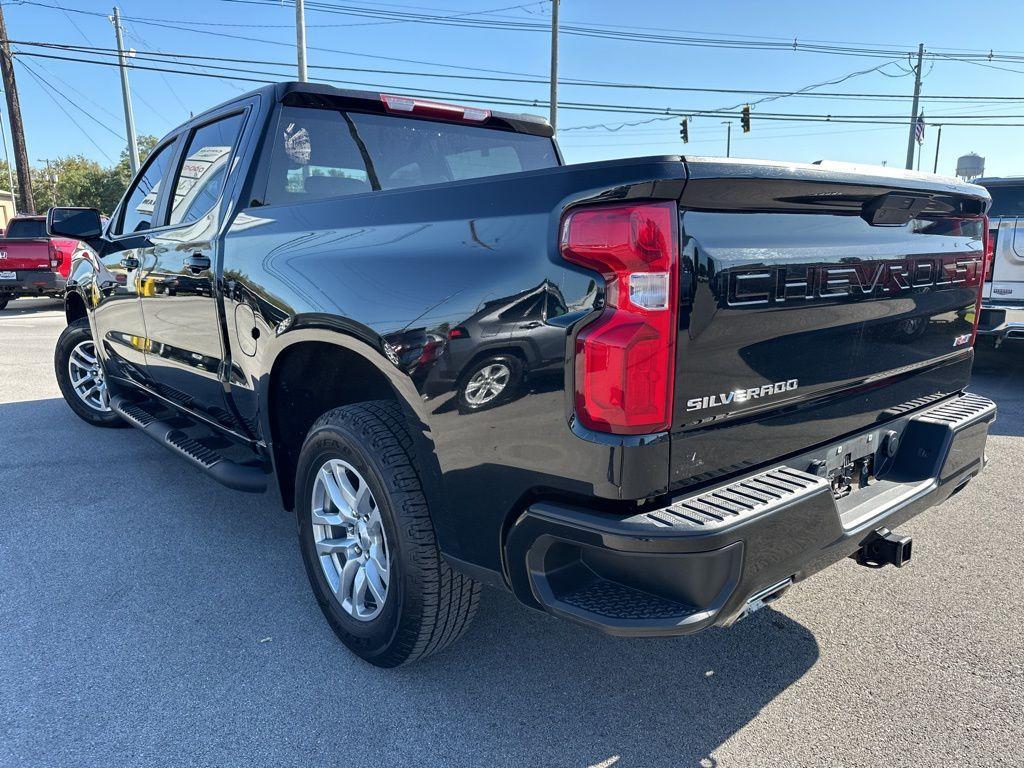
71, 337
3, 303
515, 379
428, 604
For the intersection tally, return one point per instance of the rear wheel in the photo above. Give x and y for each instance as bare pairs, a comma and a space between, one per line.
367, 540
3, 302
81, 378
489, 382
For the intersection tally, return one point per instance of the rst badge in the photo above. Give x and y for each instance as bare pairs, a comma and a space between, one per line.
741, 395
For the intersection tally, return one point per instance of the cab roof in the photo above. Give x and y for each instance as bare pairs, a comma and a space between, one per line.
323, 95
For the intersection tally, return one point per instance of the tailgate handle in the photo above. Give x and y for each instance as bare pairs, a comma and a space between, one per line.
893, 209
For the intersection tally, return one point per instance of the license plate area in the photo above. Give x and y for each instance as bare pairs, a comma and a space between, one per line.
8, 275
853, 464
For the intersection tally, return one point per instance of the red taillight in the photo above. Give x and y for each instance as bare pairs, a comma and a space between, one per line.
988, 244
56, 257
990, 251
625, 359
433, 108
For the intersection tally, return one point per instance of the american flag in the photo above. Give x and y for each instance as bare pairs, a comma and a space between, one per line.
919, 128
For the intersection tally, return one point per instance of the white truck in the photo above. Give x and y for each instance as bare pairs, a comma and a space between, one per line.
1002, 313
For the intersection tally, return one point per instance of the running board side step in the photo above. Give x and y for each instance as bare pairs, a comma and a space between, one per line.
228, 462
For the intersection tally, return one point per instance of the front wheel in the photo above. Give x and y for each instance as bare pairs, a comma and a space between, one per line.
81, 378
367, 540
3, 302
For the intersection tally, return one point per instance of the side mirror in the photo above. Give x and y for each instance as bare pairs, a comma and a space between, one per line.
75, 223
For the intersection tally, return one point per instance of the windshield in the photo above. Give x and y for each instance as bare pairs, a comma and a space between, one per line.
1007, 200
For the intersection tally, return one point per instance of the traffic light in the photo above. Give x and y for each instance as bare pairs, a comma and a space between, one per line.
684, 130
745, 118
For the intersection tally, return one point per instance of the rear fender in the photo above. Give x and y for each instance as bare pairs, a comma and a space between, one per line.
369, 346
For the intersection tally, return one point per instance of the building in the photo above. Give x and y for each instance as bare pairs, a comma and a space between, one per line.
6, 207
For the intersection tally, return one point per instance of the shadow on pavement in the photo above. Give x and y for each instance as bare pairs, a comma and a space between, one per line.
31, 306
999, 374
150, 616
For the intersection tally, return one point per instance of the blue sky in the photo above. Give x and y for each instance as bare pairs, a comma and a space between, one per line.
214, 28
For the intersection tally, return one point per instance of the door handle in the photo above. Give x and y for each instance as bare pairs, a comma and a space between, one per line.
197, 263
130, 262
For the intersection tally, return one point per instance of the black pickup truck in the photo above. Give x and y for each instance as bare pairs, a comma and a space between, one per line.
645, 395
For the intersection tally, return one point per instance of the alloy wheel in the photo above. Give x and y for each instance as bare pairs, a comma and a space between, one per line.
350, 541
487, 383
87, 377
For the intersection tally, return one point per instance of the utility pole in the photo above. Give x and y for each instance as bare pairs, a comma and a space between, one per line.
54, 178
126, 93
913, 108
938, 141
554, 65
300, 39
7, 157
25, 202
728, 137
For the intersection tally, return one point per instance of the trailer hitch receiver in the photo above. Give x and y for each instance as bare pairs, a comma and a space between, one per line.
883, 547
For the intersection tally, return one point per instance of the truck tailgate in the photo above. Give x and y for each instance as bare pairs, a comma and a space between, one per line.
24, 255
816, 301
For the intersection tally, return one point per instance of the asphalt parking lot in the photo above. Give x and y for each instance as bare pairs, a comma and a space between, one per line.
150, 617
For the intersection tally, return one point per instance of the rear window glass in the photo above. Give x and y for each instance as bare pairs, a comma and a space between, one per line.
1006, 200
26, 228
408, 152
320, 153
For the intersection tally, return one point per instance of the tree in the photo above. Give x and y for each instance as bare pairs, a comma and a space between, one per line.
74, 180
121, 174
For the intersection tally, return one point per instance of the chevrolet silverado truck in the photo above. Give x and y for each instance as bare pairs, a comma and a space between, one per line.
31, 262
644, 395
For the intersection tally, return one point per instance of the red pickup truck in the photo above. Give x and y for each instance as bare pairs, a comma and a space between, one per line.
31, 263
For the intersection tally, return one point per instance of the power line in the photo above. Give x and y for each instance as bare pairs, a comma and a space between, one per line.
179, 58
72, 88
607, 32
718, 139
800, 91
662, 113
632, 109
177, 26
748, 42
46, 87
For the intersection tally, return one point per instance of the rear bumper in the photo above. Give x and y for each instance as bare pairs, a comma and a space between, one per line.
706, 557
32, 283
1002, 321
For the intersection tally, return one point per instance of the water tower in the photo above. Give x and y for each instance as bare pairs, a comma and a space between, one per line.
970, 166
